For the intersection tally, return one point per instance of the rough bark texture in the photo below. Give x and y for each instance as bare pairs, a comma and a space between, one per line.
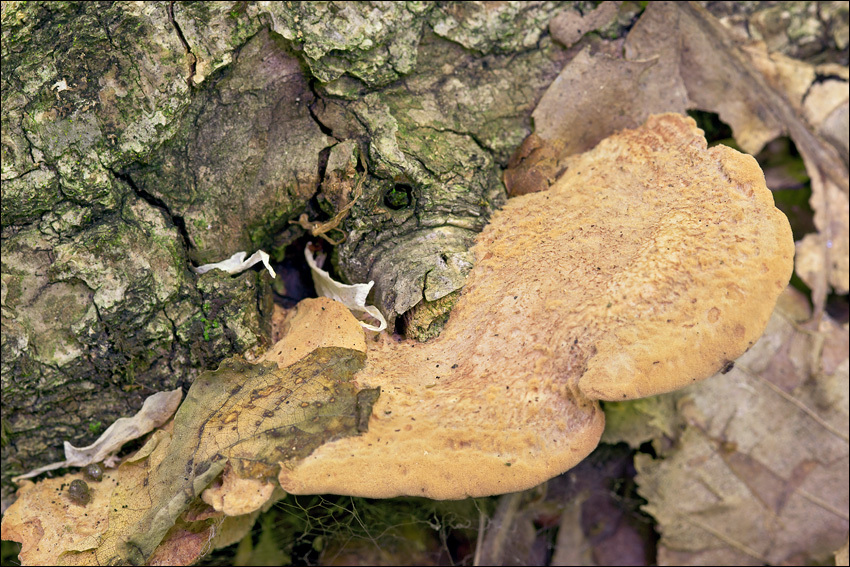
139, 139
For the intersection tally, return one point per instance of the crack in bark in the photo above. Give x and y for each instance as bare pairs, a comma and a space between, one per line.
481, 145
158, 203
193, 58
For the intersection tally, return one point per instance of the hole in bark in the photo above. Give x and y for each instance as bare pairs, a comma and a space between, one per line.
294, 281
398, 196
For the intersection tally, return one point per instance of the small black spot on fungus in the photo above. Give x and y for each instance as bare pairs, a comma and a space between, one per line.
454, 365
730, 364
79, 492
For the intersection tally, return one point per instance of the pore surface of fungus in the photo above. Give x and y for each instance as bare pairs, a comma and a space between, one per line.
651, 263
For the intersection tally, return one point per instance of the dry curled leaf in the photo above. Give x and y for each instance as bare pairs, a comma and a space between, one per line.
760, 473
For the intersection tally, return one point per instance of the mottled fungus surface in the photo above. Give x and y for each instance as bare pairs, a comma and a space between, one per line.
650, 264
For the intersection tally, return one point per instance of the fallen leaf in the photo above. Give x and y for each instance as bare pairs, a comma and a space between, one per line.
822, 257
720, 77
242, 419
760, 473
252, 417
639, 421
569, 26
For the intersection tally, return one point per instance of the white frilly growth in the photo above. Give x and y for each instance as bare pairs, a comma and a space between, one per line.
156, 410
237, 263
352, 296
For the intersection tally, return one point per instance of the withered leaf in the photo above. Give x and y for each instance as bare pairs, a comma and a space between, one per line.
759, 474
253, 415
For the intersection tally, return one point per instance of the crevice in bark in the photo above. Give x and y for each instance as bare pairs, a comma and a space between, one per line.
154, 201
322, 126
194, 60
481, 145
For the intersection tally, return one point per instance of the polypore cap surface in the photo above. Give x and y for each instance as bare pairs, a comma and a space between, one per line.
647, 266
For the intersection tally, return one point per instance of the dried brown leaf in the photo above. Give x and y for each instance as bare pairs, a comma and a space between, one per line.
760, 472
569, 26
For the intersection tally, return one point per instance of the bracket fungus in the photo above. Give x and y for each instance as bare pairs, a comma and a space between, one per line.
650, 264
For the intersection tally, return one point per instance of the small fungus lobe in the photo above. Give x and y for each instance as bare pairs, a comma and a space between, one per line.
93, 472
79, 492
